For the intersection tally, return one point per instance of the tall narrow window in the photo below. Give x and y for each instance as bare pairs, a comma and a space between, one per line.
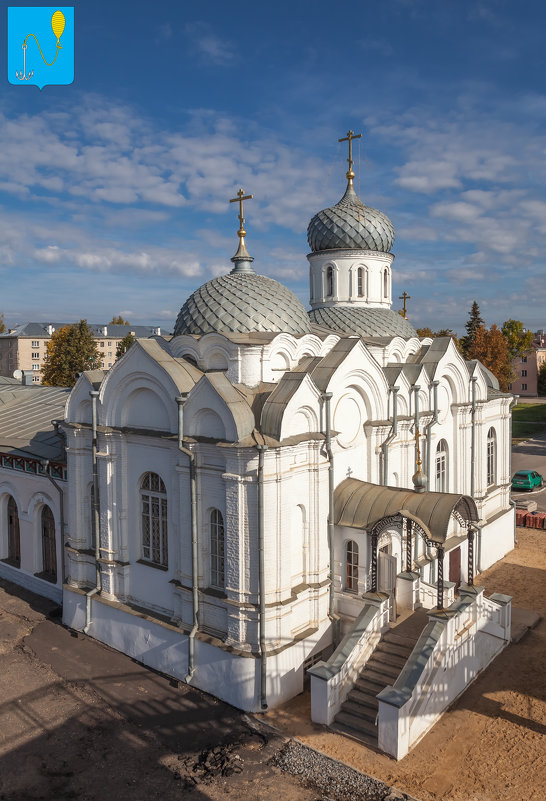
153, 496
491, 457
360, 282
351, 561
217, 549
49, 555
329, 281
14, 540
441, 466
385, 284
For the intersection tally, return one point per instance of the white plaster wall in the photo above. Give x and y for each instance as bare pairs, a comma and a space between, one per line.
345, 264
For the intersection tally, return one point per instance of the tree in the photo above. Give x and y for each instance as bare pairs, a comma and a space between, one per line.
443, 332
473, 323
119, 321
2, 323
541, 379
124, 345
491, 349
425, 332
70, 350
519, 340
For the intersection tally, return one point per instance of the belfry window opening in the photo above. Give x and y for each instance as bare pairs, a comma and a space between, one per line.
329, 281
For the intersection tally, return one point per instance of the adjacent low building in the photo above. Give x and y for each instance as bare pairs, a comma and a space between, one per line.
527, 367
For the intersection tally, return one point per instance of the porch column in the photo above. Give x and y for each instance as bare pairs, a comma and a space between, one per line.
470, 535
374, 561
409, 529
440, 586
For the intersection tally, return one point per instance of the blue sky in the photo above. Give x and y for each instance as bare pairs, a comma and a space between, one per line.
114, 190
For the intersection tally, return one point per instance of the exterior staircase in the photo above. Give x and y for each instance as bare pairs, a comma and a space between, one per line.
357, 716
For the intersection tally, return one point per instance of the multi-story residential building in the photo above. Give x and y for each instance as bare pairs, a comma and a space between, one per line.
24, 348
527, 367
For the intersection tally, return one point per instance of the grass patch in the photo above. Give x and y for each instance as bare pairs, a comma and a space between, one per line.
525, 430
529, 413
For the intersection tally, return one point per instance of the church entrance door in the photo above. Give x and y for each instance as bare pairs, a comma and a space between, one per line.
386, 577
455, 567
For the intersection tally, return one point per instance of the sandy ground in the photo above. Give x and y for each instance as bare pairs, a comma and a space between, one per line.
490, 745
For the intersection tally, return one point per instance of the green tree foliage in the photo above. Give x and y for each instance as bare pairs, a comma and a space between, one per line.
70, 350
119, 321
519, 340
491, 349
473, 323
2, 323
541, 379
443, 332
124, 345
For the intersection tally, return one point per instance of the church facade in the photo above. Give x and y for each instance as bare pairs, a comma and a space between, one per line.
238, 492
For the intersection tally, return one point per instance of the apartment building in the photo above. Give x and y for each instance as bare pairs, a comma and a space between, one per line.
527, 367
24, 348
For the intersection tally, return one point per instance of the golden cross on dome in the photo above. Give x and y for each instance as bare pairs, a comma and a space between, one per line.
405, 297
349, 138
239, 199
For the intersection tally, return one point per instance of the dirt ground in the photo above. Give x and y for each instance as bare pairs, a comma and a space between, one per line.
80, 721
490, 745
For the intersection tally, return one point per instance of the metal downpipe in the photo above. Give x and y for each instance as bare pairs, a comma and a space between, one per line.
327, 397
261, 577
95, 516
433, 422
473, 438
181, 400
392, 435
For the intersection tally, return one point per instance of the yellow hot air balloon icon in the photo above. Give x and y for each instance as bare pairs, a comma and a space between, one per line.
58, 23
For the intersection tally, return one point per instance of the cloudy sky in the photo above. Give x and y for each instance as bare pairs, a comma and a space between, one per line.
114, 190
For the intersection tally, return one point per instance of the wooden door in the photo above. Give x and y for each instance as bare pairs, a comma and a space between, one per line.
455, 567
386, 578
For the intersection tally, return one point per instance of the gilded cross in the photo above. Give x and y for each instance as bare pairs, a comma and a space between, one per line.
404, 296
239, 199
349, 138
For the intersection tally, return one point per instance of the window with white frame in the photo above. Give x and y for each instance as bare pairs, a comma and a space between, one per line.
524, 359
491, 457
351, 566
524, 373
153, 498
35, 355
35, 343
524, 386
441, 466
217, 549
360, 282
329, 288
35, 366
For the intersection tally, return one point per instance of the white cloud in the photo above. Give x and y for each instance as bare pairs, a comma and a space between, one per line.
212, 49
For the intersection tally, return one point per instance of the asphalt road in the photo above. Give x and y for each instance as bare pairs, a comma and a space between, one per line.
531, 455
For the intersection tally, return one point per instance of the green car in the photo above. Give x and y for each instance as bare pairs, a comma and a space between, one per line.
526, 479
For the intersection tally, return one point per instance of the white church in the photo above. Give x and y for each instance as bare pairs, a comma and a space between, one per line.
254, 503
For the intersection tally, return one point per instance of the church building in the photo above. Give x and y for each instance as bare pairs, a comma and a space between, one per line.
252, 503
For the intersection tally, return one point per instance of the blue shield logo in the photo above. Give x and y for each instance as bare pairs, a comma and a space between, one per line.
41, 45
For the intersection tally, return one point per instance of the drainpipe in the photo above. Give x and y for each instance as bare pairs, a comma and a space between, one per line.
392, 435
512, 503
261, 576
181, 400
327, 397
45, 464
95, 513
473, 436
433, 422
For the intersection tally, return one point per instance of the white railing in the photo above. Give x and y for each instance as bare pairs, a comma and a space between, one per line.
427, 594
331, 681
453, 648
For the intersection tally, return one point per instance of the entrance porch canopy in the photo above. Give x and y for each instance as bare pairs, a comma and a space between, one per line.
359, 504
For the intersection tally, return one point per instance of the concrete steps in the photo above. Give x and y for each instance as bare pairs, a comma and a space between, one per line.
358, 714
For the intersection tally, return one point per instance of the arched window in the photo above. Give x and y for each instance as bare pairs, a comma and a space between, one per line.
14, 540
441, 467
329, 281
351, 562
153, 496
360, 282
491, 457
217, 549
385, 284
49, 555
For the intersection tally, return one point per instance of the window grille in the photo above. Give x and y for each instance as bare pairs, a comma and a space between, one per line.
351, 561
441, 466
153, 498
217, 549
491, 457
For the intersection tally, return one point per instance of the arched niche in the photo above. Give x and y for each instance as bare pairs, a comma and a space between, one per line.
84, 412
143, 408
207, 423
216, 360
